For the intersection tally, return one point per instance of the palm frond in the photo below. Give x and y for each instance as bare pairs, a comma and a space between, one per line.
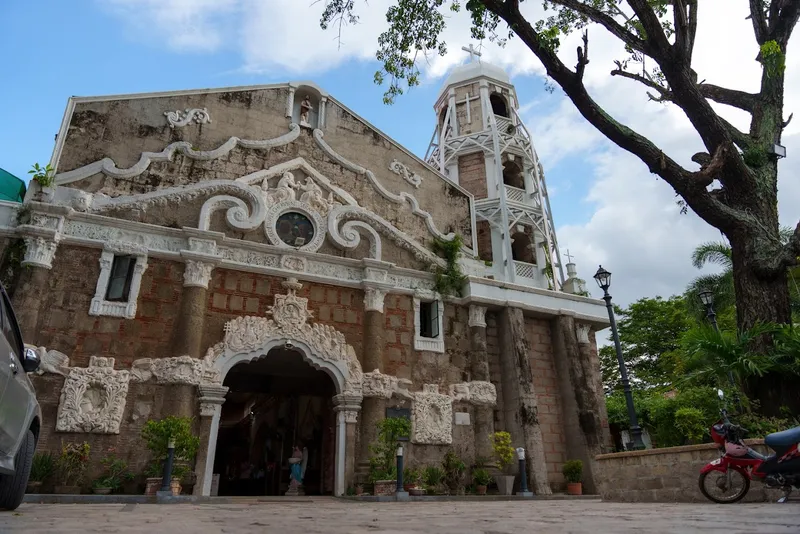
715, 252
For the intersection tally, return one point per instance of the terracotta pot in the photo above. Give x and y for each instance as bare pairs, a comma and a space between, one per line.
34, 487
481, 490
67, 490
408, 487
153, 485
505, 484
574, 488
101, 491
359, 489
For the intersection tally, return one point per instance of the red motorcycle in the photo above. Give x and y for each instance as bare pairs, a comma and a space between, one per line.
727, 479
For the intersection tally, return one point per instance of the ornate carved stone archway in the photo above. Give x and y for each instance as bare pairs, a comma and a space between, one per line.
249, 338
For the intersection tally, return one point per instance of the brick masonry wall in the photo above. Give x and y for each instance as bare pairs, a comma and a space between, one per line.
665, 475
545, 384
472, 174
65, 323
399, 356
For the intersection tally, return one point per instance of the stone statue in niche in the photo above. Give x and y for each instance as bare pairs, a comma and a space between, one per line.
305, 110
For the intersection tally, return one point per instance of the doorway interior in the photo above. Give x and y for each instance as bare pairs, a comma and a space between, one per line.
272, 404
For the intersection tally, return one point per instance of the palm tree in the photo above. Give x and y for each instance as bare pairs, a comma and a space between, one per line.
721, 284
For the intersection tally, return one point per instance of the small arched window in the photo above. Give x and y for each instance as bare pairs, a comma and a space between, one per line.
512, 175
499, 106
522, 248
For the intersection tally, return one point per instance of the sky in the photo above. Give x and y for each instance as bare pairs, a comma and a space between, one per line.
608, 208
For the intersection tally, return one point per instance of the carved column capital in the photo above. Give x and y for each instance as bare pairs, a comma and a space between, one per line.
347, 406
373, 299
582, 332
212, 396
477, 316
197, 274
39, 252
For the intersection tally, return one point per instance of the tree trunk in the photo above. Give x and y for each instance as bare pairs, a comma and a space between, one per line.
762, 299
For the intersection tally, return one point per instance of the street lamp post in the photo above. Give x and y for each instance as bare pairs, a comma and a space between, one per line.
603, 278
707, 298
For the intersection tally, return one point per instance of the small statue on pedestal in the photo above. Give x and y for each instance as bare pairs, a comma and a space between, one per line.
305, 110
297, 470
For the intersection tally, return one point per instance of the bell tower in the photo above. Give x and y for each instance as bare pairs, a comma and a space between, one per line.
481, 143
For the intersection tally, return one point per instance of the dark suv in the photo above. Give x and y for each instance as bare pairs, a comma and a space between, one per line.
20, 415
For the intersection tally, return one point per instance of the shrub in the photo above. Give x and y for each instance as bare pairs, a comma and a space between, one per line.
691, 422
158, 434
503, 451
481, 477
115, 473
573, 471
43, 466
411, 476
432, 476
383, 463
71, 465
454, 470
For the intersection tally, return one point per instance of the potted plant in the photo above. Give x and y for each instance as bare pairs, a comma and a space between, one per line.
71, 467
160, 436
482, 479
573, 472
42, 468
504, 455
432, 478
382, 464
115, 474
453, 469
44, 176
411, 478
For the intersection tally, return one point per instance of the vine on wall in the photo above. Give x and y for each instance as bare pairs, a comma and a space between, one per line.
449, 279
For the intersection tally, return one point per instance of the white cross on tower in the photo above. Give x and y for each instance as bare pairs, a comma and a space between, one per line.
472, 52
569, 257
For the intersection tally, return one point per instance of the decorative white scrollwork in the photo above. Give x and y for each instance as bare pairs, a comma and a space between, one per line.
407, 174
93, 398
180, 118
432, 417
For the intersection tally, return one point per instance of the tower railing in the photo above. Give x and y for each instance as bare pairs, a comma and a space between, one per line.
515, 194
525, 270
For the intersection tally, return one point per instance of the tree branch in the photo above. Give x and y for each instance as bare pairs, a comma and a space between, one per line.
681, 21
741, 139
663, 91
652, 27
606, 21
759, 20
583, 56
692, 4
789, 13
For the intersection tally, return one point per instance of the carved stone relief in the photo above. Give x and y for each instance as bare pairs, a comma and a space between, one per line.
39, 252
477, 316
177, 370
294, 263
432, 417
476, 392
51, 361
582, 332
93, 398
373, 299
197, 274
179, 119
407, 174
376, 384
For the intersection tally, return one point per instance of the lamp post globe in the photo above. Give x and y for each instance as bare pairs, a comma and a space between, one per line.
603, 278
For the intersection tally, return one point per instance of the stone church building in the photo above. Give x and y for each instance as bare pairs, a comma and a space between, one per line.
264, 260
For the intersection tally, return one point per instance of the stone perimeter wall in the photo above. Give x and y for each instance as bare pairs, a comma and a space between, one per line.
666, 475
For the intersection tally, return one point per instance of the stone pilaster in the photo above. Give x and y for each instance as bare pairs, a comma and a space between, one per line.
520, 409
373, 409
32, 285
347, 408
191, 320
211, 399
479, 364
580, 390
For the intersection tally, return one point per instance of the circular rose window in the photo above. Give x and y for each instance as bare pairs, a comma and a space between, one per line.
294, 229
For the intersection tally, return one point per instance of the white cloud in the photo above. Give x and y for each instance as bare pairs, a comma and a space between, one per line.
632, 226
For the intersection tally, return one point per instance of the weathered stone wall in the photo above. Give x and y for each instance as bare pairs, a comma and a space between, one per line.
665, 475
545, 385
145, 401
123, 129
472, 174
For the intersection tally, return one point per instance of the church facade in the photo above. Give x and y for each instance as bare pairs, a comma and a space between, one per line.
265, 261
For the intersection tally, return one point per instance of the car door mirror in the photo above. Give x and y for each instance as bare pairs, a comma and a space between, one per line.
30, 361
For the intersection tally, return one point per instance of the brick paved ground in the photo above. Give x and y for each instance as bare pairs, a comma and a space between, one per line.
332, 516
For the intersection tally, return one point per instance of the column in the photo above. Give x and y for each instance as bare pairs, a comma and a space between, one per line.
188, 334
212, 396
373, 409
580, 390
32, 285
520, 409
479, 364
346, 408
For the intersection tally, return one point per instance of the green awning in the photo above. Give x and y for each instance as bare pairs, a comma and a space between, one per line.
11, 187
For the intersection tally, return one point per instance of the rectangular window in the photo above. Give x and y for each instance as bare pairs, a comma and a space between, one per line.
10, 328
429, 319
119, 282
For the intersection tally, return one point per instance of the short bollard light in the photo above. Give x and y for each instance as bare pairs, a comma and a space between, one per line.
523, 476
166, 481
399, 469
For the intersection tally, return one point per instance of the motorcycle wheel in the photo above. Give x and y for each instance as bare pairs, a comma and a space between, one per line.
712, 482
